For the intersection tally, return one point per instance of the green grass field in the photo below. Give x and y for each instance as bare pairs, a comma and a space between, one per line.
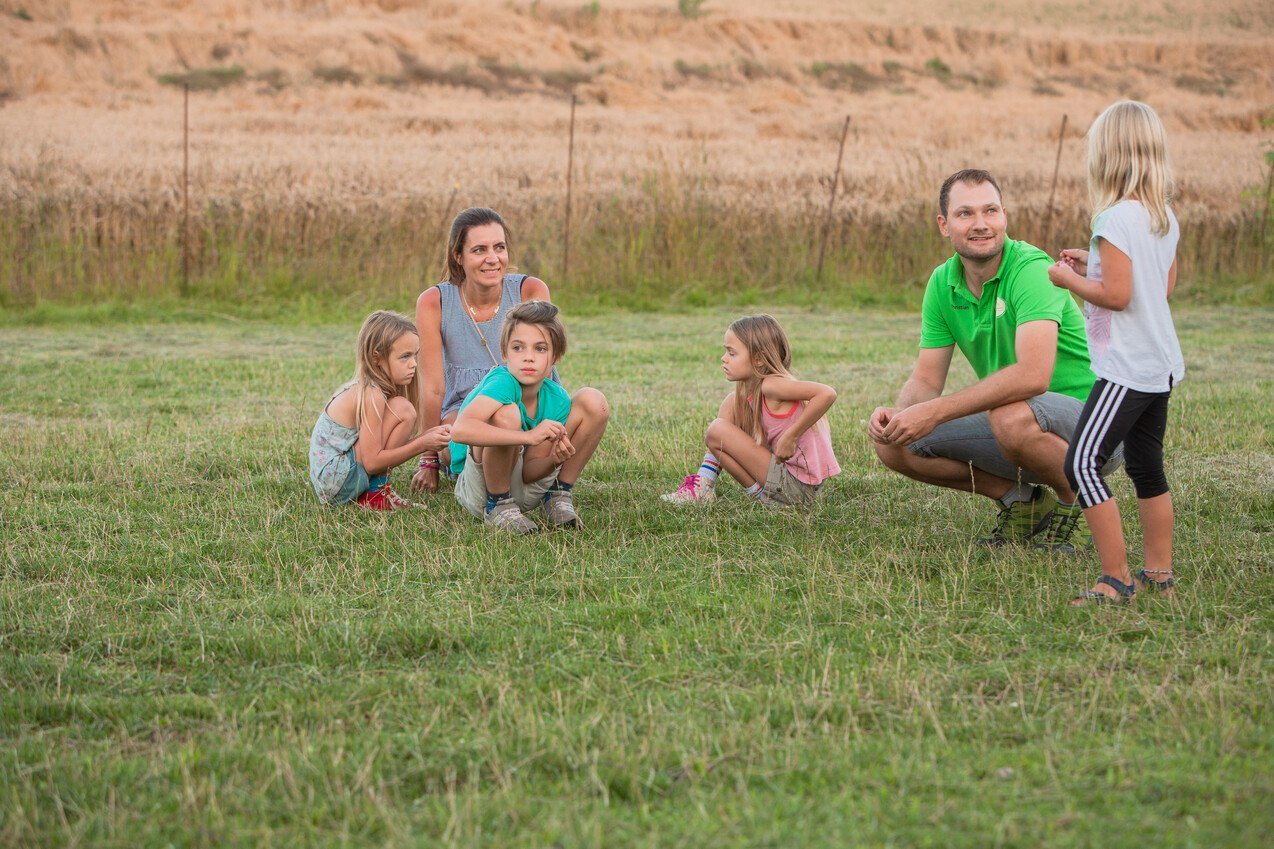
193, 652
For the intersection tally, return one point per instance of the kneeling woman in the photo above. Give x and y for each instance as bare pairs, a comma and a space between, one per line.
459, 322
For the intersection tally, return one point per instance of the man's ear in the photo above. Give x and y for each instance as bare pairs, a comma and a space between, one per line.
942, 226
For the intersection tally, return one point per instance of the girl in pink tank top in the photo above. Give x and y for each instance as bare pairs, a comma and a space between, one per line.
770, 433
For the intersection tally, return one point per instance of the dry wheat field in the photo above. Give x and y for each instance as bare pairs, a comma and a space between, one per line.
367, 122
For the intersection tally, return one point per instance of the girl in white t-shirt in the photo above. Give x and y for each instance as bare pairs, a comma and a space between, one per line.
1126, 276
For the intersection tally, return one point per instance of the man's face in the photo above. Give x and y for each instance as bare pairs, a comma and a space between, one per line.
975, 221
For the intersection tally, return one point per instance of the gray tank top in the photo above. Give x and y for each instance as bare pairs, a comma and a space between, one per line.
464, 359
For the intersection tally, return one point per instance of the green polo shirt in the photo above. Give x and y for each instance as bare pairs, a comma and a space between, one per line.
985, 329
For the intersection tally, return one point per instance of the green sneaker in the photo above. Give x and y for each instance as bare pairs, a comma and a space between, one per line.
1021, 520
1067, 532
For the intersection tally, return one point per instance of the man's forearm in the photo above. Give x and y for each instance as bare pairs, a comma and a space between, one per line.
916, 392
1006, 386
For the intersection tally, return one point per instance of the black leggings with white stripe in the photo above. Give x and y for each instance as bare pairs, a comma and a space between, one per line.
1115, 414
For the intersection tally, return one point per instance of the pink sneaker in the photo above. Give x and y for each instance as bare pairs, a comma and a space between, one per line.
694, 490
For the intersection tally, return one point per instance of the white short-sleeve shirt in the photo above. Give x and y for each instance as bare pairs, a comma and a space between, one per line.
1137, 346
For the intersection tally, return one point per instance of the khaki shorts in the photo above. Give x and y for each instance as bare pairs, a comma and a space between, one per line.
471, 488
783, 487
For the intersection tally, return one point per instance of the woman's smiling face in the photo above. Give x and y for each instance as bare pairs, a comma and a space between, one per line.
485, 254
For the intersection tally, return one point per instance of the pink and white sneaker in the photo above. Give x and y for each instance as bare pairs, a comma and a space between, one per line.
694, 490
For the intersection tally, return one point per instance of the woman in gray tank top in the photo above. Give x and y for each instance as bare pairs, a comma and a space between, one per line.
459, 321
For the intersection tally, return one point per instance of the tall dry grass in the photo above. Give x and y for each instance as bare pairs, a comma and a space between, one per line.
669, 241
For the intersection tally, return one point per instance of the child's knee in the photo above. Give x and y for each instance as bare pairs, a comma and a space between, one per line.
592, 404
402, 409
1147, 474
1074, 466
712, 437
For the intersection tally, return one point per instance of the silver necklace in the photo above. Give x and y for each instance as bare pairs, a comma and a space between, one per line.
473, 320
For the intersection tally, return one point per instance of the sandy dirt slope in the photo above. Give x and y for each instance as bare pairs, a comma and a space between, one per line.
351, 101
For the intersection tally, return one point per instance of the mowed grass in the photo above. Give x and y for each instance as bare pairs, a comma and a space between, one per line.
194, 652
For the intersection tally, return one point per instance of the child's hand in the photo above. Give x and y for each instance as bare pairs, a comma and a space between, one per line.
878, 422
785, 446
562, 450
1077, 260
545, 431
436, 438
1061, 275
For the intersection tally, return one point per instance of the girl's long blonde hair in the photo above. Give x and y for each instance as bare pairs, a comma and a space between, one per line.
770, 354
1128, 157
376, 337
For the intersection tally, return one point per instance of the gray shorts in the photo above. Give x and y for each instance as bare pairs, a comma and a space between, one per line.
970, 440
783, 487
471, 488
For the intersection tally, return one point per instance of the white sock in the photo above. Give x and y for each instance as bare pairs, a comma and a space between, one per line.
709, 469
754, 490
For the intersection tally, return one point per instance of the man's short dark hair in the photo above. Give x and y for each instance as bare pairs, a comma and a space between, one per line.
972, 176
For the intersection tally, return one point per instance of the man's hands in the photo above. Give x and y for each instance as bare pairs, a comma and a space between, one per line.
879, 420
891, 426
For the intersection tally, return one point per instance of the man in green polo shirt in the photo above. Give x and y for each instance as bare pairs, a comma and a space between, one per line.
1006, 434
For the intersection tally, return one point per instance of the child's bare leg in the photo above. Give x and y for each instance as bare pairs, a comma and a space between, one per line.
498, 460
537, 462
400, 419
584, 427
1108, 535
1156, 530
747, 462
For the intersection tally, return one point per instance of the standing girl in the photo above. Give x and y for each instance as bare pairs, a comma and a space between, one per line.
1126, 276
367, 428
770, 434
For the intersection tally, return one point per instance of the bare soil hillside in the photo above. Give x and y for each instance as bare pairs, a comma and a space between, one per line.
342, 101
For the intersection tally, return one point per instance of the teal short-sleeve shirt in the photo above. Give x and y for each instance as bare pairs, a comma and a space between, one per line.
985, 329
553, 404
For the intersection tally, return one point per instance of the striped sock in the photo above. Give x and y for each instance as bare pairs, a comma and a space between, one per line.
709, 469
754, 490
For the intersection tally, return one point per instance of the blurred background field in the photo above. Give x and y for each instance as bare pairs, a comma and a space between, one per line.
331, 143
